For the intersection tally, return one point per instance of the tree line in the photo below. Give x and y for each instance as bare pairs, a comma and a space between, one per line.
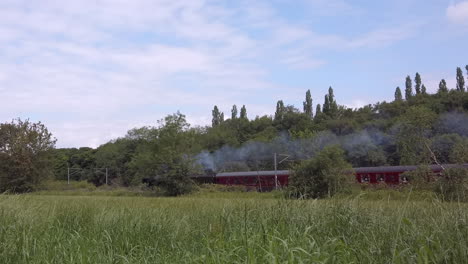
421, 128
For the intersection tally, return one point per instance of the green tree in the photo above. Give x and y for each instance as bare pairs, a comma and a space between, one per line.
442, 146
409, 88
466, 67
398, 95
116, 157
234, 112
308, 105
326, 105
280, 109
412, 139
243, 113
168, 159
324, 175
460, 80
318, 110
217, 116
423, 90
25, 155
332, 102
460, 152
442, 87
417, 82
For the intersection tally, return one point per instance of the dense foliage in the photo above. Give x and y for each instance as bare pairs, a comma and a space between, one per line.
24, 155
415, 128
322, 176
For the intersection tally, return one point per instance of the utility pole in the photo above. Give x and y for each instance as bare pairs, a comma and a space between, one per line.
276, 172
106, 176
276, 166
68, 175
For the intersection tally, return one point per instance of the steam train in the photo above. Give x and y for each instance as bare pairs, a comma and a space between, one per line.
269, 180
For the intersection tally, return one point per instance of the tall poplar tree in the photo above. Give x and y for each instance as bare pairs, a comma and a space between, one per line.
216, 117
243, 112
443, 87
417, 82
460, 80
398, 95
318, 110
326, 105
279, 114
333, 106
234, 112
308, 105
423, 89
409, 88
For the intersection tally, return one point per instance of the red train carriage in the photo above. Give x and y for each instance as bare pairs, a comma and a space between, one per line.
265, 180
259, 180
394, 174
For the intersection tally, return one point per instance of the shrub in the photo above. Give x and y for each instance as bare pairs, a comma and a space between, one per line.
322, 176
422, 178
25, 159
453, 185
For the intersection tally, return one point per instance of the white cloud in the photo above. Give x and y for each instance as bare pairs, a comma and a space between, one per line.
458, 13
383, 37
82, 65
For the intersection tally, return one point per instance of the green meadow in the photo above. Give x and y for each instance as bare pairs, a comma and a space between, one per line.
232, 227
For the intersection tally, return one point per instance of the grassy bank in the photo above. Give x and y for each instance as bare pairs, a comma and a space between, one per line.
196, 229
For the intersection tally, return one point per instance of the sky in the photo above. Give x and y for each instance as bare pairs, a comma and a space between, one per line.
90, 70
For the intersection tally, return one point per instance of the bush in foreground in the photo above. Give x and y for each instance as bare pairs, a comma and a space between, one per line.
453, 186
25, 159
322, 176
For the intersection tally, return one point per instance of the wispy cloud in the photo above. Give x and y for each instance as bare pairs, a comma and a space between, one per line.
92, 69
458, 12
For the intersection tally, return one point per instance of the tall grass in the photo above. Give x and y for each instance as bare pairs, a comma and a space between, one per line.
195, 229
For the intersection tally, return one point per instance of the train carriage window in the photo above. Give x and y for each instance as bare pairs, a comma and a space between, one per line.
380, 178
404, 179
365, 178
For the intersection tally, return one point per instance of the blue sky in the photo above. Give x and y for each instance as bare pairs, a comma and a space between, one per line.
92, 69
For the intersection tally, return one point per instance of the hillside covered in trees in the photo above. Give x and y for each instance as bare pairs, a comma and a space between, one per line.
415, 128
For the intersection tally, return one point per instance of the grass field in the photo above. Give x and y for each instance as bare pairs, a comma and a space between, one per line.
230, 228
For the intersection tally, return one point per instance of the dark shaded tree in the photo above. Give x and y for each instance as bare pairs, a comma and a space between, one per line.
217, 116
442, 87
308, 105
318, 110
466, 67
326, 105
280, 109
398, 95
234, 112
460, 80
332, 102
417, 82
243, 113
423, 90
409, 88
